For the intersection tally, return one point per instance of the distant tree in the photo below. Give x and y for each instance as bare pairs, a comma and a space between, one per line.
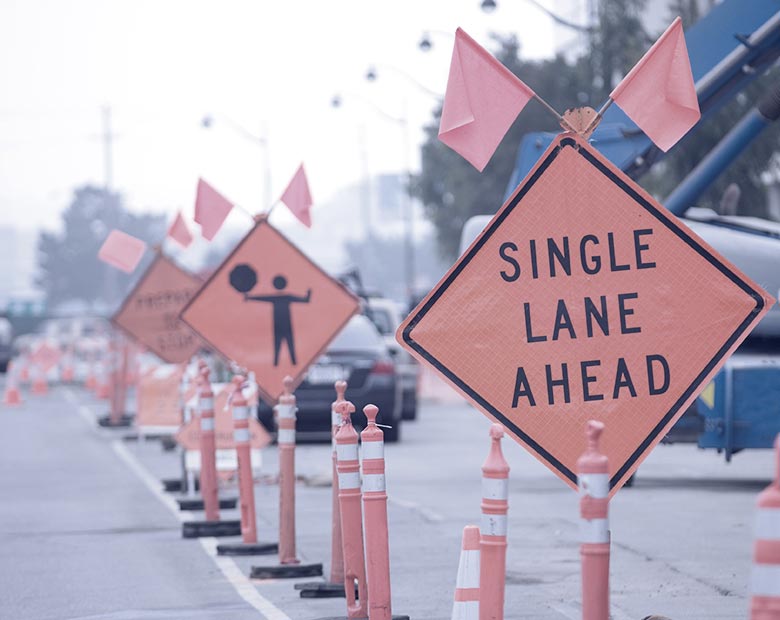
68, 266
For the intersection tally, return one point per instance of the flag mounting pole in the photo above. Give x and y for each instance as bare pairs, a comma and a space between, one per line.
271, 208
553, 111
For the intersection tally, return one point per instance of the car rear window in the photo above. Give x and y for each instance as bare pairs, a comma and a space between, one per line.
359, 333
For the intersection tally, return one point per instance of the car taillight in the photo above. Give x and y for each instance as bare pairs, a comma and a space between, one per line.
383, 367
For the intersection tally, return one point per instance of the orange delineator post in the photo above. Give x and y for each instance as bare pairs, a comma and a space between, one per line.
118, 384
493, 529
246, 487
466, 603
765, 580
67, 374
336, 550
39, 385
208, 457
593, 482
285, 438
351, 513
375, 517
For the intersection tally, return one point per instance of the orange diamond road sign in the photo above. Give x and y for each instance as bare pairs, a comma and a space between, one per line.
188, 435
584, 299
46, 357
150, 312
270, 309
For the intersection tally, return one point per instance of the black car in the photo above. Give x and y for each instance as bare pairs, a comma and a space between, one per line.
360, 356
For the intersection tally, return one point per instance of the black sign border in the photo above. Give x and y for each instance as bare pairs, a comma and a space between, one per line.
660, 215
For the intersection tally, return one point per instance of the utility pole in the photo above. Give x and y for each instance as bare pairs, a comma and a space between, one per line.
108, 145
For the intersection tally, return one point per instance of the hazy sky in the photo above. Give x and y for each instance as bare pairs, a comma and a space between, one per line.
271, 66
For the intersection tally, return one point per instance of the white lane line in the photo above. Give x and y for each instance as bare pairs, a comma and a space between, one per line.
84, 411
240, 582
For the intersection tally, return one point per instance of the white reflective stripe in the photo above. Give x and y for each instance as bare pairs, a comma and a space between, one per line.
241, 435
350, 480
286, 435
373, 449
595, 485
335, 418
765, 580
465, 610
768, 524
285, 411
240, 412
347, 452
205, 404
207, 424
594, 530
373, 482
495, 488
468, 569
493, 525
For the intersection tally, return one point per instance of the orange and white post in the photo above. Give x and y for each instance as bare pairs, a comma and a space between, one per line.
466, 604
593, 482
375, 517
285, 438
246, 486
208, 447
348, 467
493, 529
336, 551
765, 580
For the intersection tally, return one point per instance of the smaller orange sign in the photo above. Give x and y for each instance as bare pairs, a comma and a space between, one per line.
159, 399
270, 309
189, 434
46, 357
150, 313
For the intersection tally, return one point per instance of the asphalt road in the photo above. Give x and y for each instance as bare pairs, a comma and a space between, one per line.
86, 533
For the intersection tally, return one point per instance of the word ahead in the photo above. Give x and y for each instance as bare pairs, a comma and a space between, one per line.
584, 299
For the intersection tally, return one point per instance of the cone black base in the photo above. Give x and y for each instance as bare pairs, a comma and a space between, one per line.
197, 529
124, 421
322, 589
286, 571
175, 485
242, 548
196, 503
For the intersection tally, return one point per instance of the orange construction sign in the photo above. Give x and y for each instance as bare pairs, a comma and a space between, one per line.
189, 434
159, 397
270, 309
46, 357
584, 299
150, 313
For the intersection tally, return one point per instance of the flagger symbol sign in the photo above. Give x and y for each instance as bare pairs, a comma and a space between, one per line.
270, 309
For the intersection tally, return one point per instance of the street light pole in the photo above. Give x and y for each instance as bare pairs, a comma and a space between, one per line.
261, 141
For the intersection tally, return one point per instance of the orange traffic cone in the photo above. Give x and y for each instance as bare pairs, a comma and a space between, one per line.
12, 396
39, 385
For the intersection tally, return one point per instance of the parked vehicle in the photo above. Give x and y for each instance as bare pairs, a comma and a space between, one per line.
359, 356
387, 316
6, 341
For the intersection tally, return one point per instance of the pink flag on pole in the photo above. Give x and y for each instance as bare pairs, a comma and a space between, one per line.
211, 209
122, 251
658, 94
179, 232
482, 100
297, 197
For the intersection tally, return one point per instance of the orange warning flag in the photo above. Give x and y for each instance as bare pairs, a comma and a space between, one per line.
482, 100
122, 251
658, 94
179, 231
297, 197
211, 209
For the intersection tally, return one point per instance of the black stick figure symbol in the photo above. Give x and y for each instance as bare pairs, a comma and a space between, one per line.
243, 278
